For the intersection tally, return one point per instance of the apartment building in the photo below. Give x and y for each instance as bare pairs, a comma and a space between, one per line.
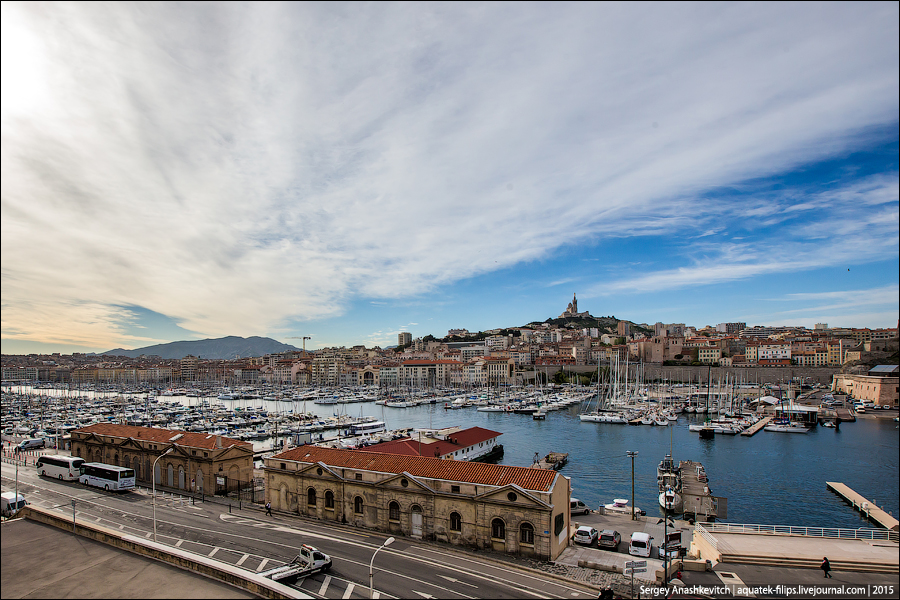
427, 373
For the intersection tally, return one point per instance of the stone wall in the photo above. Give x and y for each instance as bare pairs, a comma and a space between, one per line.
673, 374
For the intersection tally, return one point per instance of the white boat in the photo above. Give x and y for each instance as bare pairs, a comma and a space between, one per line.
669, 478
607, 417
620, 506
787, 427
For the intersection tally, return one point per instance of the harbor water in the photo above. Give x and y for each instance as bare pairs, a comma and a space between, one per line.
770, 478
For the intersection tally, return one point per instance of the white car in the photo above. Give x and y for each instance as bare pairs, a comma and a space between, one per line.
586, 535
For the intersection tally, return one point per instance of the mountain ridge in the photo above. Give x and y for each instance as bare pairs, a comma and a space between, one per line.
226, 348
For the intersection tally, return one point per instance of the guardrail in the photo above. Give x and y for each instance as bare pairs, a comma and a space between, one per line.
822, 532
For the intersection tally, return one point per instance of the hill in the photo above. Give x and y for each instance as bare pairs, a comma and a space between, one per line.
222, 348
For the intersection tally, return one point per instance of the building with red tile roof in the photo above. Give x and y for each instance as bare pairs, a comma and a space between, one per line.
198, 462
459, 444
498, 507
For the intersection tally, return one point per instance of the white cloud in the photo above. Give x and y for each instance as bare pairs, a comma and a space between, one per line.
236, 167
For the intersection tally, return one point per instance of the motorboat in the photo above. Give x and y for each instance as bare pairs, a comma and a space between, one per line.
787, 427
620, 506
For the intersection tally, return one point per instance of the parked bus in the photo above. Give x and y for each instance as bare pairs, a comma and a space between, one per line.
67, 468
107, 477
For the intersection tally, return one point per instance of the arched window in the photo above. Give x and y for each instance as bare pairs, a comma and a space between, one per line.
393, 511
526, 533
455, 522
329, 499
358, 505
311, 497
498, 529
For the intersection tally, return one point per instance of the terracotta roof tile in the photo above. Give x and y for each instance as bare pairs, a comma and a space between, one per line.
417, 466
162, 436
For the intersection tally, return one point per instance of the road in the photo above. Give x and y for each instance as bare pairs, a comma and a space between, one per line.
250, 540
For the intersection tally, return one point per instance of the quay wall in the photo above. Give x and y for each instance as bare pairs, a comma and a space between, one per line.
654, 372
256, 584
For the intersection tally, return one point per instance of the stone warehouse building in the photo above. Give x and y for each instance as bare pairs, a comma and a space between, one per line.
506, 509
198, 462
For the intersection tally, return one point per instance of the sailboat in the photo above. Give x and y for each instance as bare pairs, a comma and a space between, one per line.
669, 478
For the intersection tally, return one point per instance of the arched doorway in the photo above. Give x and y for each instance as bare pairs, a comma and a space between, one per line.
170, 481
181, 478
416, 521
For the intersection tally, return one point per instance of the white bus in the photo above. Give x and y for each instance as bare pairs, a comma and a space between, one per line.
67, 468
107, 477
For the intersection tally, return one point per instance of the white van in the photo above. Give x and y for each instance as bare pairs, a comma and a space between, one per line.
31, 444
8, 504
577, 507
641, 544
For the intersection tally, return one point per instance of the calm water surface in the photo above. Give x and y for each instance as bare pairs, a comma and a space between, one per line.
770, 478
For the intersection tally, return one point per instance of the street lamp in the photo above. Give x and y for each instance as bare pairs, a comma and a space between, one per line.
153, 477
386, 543
632, 454
665, 545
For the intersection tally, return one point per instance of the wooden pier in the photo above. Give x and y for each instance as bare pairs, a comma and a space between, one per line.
864, 506
697, 499
756, 426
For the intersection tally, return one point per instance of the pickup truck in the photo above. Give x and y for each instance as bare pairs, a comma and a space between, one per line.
309, 561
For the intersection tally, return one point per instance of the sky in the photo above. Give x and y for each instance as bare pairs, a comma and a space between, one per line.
350, 171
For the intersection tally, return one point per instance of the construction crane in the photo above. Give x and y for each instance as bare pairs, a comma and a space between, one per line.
298, 337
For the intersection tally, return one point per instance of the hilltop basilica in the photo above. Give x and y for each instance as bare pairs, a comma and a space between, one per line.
572, 311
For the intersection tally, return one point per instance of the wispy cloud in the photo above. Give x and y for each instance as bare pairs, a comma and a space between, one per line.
236, 167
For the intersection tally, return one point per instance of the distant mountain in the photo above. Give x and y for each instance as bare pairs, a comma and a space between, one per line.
221, 348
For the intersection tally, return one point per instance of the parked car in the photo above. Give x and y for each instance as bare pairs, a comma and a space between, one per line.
609, 538
577, 507
641, 544
586, 535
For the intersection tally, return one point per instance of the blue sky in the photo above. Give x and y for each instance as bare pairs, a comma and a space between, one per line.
350, 171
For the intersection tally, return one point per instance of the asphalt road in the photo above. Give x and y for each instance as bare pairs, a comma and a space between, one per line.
249, 539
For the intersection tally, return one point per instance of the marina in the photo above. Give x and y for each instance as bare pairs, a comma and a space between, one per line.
768, 478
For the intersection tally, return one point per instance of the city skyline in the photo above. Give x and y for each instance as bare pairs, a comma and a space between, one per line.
350, 172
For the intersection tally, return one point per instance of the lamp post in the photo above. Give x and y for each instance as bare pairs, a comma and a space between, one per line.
632, 454
153, 477
386, 543
665, 544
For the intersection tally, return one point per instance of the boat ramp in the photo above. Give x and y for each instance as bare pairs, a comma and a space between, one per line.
870, 509
697, 499
756, 426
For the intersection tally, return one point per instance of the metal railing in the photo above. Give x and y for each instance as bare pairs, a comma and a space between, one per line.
822, 532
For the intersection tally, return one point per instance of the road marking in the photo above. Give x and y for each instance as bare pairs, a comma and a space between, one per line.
457, 581
348, 591
325, 585
243, 558
122, 526
179, 543
423, 594
262, 565
211, 554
